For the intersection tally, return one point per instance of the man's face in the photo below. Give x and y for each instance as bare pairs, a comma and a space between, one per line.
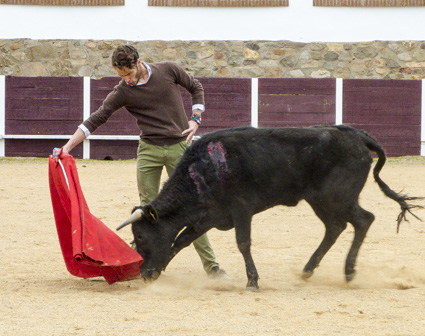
130, 76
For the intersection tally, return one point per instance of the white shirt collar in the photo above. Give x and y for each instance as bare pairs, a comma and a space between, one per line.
149, 73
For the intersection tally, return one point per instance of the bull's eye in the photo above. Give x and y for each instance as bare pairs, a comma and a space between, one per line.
139, 237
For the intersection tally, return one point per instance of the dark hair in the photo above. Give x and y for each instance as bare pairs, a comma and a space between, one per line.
125, 56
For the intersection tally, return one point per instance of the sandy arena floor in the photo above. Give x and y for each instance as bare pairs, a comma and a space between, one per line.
39, 297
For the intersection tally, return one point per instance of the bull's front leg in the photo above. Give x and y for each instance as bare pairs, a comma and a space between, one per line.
184, 239
243, 239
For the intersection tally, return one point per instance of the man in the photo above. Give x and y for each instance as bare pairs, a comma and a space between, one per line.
150, 92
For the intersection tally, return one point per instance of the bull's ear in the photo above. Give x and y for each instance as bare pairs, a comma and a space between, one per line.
150, 213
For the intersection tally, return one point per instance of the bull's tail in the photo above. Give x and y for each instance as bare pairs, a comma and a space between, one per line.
400, 198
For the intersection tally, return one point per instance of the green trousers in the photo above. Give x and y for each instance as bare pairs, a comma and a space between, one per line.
151, 160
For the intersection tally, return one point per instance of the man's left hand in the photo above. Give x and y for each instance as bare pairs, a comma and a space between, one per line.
193, 127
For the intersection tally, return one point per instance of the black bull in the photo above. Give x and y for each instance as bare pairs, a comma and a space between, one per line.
228, 176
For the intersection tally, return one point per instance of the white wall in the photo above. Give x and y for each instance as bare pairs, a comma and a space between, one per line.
136, 21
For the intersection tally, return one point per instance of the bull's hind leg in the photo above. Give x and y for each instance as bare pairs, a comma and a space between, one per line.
332, 233
361, 220
334, 227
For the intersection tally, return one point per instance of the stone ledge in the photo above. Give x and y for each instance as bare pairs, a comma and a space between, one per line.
236, 59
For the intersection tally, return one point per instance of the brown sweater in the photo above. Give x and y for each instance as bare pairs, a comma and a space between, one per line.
157, 105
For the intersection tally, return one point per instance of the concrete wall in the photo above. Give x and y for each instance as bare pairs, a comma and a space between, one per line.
136, 21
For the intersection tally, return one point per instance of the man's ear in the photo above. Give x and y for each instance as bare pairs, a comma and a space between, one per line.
149, 213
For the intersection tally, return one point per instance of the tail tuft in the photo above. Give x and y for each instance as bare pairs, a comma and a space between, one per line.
406, 207
401, 199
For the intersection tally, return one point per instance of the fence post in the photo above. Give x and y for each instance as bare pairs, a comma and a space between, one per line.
338, 101
2, 115
254, 102
423, 118
86, 114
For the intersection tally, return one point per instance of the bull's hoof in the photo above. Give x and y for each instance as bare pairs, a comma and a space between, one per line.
252, 289
349, 277
252, 286
306, 275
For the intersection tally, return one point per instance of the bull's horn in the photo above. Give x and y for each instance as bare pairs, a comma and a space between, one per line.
136, 215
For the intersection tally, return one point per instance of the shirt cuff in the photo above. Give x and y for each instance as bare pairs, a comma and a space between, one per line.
198, 107
84, 129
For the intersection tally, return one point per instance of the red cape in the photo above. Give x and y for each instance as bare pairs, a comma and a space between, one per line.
88, 246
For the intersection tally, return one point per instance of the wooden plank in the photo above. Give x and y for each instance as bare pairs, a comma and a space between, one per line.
221, 85
394, 138
43, 105
65, 83
355, 84
396, 131
224, 100
113, 149
309, 118
42, 93
43, 127
389, 110
43, 109
286, 123
294, 86
358, 109
215, 127
276, 103
232, 114
301, 120
296, 102
224, 97
407, 120
99, 88
227, 103
121, 122
37, 148
382, 99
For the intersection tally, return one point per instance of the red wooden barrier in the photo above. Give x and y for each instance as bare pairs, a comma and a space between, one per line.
227, 103
292, 102
389, 110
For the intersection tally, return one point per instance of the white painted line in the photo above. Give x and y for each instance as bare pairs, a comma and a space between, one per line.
36, 136
87, 96
114, 137
338, 101
423, 119
91, 137
86, 149
86, 114
254, 102
2, 115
